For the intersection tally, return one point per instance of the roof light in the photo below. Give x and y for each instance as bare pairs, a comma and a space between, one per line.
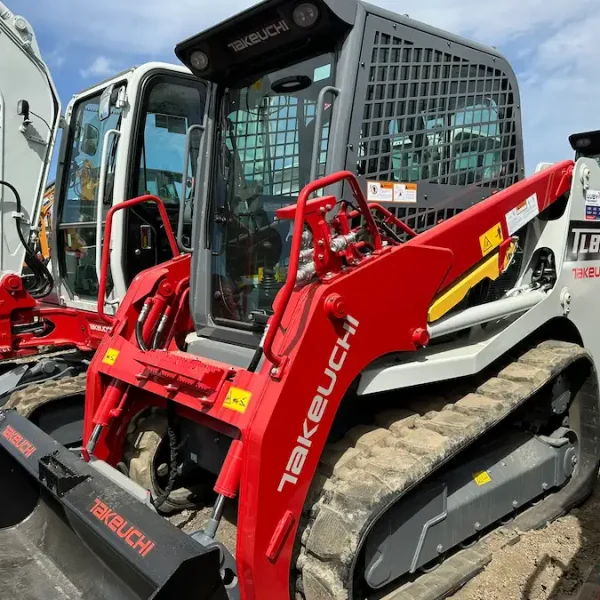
305, 15
583, 143
199, 60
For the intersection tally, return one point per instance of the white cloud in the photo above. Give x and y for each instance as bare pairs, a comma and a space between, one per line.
100, 67
56, 59
553, 42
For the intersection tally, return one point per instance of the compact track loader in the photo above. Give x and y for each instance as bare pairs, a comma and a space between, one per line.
378, 363
128, 135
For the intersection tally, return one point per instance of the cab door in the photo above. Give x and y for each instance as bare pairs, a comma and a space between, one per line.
171, 106
125, 139
90, 153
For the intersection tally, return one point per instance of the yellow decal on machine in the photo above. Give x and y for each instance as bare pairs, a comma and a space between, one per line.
482, 478
491, 239
237, 399
488, 269
110, 358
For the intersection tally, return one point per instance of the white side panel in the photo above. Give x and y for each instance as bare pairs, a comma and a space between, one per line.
578, 277
25, 152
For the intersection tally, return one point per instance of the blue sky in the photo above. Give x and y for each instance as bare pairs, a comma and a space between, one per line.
551, 44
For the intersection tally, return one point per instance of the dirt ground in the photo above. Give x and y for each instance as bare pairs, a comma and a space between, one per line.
191, 521
550, 564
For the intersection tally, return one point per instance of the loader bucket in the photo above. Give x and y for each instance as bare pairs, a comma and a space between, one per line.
67, 531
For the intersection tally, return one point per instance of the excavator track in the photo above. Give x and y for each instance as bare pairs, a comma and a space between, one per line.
29, 399
362, 476
11, 363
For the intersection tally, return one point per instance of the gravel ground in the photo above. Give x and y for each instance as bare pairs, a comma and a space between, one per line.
191, 521
550, 564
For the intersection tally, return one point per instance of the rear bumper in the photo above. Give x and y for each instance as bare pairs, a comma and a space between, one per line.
65, 526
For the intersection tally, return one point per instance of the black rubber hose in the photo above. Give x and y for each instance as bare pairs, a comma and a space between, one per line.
173, 447
384, 227
44, 281
139, 337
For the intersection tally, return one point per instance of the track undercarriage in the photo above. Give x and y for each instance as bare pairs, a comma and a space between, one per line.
373, 467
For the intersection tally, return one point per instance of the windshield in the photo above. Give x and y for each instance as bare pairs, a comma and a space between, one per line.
264, 159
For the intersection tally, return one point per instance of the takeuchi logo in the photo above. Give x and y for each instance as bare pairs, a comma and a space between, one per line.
258, 37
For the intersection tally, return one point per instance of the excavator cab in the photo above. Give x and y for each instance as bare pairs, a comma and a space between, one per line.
133, 134
124, 138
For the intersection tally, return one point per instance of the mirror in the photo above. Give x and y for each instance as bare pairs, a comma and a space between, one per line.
105, 102
90, 139
23, 109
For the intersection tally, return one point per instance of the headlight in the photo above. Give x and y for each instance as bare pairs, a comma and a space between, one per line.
199, 60
305, 15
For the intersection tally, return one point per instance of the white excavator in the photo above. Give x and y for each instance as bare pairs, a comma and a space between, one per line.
137, 132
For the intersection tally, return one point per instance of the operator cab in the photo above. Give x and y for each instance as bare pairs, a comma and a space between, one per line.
125, 137
428, 121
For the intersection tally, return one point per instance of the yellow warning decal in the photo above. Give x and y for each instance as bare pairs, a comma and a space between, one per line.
488, 269
482, 478
491, 239
237, 399
110, 358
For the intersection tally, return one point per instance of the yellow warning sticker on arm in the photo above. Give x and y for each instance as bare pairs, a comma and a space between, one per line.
482, 478
110, 358
491, 239
237, 399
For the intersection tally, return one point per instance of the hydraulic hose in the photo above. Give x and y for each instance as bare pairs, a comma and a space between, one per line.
139, 337
173, 448
43, 280
139, 325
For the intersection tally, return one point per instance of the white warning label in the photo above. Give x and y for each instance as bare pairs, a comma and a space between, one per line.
405, 192
379, 191
391, 191
521, 215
